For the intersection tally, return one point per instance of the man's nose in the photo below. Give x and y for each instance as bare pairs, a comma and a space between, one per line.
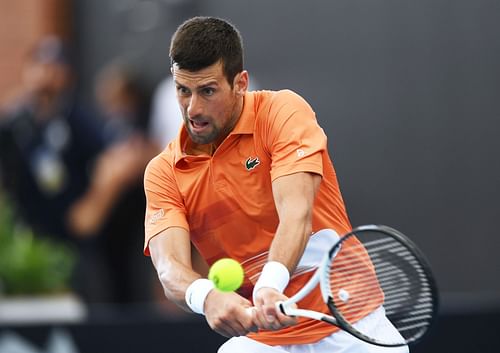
194, 107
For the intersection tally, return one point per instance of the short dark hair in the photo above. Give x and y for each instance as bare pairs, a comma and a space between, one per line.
202, 41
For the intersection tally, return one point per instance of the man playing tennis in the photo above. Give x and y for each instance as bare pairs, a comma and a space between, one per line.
248, 177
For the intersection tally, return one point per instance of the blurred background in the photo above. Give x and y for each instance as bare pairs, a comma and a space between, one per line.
408, 93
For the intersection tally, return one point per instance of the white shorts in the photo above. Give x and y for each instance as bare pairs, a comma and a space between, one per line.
338, 342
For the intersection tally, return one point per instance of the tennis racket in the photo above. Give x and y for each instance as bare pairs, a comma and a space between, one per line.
373, 267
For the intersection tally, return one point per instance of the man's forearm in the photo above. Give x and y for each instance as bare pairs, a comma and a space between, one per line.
294, 196
171, 256
175, 279
290, 241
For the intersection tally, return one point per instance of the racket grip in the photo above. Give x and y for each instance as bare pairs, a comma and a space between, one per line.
279, 307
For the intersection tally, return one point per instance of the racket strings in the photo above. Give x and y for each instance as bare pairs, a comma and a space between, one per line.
374, 269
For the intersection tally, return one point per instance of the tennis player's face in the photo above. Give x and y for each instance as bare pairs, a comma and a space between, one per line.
210, 106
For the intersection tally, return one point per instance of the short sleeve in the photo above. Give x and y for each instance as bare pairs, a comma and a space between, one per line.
164, 205
295, 141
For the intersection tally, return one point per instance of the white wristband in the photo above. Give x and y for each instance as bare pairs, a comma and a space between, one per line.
274, 275
196, 294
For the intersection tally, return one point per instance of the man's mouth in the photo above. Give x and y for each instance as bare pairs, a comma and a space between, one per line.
198, 125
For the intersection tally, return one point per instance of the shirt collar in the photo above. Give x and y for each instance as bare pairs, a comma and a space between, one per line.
245, 124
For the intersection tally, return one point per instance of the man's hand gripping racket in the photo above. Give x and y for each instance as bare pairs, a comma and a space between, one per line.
373, 268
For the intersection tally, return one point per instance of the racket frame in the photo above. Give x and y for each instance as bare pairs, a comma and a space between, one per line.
321, 276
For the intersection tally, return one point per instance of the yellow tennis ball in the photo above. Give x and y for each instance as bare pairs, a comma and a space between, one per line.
226, 274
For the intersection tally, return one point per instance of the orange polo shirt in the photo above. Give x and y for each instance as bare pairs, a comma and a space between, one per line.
225, 201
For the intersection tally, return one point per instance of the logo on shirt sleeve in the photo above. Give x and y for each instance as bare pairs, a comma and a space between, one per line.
300, 153
156, 216
251, 163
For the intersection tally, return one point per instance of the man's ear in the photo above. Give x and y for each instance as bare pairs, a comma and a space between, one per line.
240, 83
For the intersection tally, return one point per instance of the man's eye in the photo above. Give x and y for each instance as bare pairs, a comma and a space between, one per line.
208, 91
183, 91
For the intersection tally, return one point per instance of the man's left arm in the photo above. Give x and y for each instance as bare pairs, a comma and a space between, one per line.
294, 196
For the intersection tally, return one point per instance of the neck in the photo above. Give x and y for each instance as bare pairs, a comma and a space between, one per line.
197, 150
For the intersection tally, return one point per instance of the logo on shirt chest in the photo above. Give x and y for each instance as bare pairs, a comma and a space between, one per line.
251, 163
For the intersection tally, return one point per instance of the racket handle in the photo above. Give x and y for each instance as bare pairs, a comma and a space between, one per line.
279, 307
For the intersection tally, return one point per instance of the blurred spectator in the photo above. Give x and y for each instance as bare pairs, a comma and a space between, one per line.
123, 100
48, 142
124, 106
78, 178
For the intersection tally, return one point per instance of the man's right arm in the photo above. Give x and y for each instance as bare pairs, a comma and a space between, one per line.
171, 255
